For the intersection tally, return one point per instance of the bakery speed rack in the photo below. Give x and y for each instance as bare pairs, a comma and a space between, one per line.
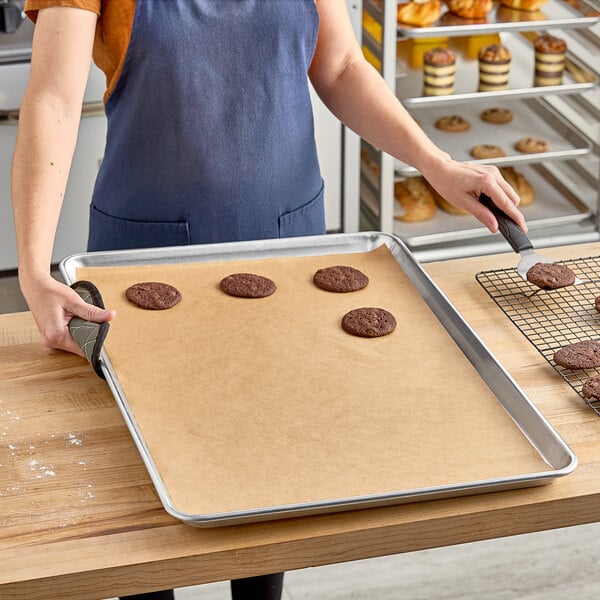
395, 51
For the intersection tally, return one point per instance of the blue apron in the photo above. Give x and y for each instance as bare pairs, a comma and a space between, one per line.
210, 127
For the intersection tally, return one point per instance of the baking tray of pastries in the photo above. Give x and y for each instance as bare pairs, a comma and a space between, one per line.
489, 16
547, 201
531, 118
409, 76
250, 409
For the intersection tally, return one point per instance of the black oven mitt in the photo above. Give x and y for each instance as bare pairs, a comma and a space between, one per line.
88, 335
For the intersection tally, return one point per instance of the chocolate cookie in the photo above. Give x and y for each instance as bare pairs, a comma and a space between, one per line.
368, 322
581, 355
531, 145
153, 295
340, 279
591, 388
248, 285
487, 151
496, 115
454, 123
550, 276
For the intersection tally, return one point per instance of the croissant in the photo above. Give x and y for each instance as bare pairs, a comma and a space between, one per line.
470, 9
528, 5
416, 200
419, 13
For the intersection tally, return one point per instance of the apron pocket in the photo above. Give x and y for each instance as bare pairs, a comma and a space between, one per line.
112, 233
306, 220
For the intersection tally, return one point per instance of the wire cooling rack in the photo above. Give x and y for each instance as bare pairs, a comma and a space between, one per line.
551, 319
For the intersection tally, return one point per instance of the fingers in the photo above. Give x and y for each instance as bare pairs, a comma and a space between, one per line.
505, 198
58, 337
53, 305
462, 184
89, 312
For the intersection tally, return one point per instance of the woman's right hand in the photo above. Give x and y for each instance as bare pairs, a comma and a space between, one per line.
53, 305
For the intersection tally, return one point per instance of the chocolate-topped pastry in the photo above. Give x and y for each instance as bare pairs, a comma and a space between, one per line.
340, 278
153, 295
248, 285
368, 322
550, 60
439, 68
494, 68
581, 355
550, 276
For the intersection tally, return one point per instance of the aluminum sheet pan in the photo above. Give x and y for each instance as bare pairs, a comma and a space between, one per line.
543, 438
555, 205
531, 118
409, 81
555, 13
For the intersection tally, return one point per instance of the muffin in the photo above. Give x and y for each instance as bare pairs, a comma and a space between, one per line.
550, 59
439, 67
494, 68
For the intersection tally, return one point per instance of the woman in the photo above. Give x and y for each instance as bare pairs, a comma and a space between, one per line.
210, 135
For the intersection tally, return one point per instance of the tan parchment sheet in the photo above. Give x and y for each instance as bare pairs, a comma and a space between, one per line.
260, 403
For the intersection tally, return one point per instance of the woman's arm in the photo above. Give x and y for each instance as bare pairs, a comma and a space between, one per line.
48, 125
355, 92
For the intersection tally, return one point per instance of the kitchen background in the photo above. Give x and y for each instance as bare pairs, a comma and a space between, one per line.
551, 565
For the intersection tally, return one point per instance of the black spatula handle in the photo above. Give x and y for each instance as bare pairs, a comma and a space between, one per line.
508, 228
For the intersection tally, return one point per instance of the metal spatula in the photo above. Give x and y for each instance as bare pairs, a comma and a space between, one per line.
518, 240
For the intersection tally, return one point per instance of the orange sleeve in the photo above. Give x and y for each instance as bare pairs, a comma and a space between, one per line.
33, 6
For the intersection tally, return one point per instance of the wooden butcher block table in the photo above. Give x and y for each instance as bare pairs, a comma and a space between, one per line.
81, 518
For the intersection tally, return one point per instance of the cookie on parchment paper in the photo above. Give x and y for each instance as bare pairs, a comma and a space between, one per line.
369, 322
248, 285
153, 295
340, 278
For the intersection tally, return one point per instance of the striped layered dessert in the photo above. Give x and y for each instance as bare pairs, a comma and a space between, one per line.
439, 68
494, 68
550, 59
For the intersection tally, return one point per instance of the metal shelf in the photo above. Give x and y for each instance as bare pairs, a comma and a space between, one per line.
409, 81
531, 117
555, 13
382, 40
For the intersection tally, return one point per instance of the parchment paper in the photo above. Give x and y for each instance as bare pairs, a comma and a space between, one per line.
259, 403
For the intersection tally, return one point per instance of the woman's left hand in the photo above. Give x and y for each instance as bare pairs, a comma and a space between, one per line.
461, 184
